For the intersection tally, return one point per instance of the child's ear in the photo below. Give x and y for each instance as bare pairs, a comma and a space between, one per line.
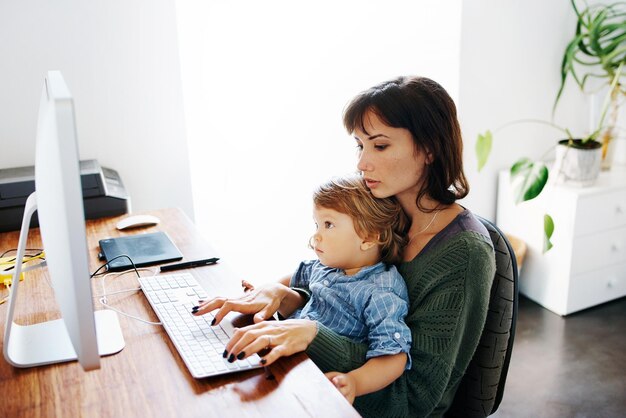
367, 245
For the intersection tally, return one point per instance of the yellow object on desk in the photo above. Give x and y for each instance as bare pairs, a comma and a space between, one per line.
6, 271
7, 264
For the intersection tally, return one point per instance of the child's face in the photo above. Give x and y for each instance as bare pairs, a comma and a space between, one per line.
335, 242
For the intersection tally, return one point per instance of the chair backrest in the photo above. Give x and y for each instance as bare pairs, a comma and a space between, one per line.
481, 388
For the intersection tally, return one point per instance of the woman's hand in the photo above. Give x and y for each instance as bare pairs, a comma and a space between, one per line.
263, 302
345, 383
281, 338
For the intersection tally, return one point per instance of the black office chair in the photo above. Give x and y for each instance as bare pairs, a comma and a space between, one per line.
481, 388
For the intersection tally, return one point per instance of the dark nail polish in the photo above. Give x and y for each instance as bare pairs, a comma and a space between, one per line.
200, 301
225, 353
231, 358
241, 355
263, 361
213, 322
193, 311
196, 307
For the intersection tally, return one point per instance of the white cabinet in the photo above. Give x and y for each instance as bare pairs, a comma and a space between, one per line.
587, 265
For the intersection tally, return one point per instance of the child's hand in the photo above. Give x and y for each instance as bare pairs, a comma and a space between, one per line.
345, 383
247, 286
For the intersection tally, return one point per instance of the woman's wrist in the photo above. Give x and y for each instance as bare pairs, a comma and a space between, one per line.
315, 329
310, 330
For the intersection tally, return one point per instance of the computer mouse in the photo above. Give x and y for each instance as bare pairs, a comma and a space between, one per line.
135, 221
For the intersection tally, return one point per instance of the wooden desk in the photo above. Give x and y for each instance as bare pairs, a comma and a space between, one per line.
148, 378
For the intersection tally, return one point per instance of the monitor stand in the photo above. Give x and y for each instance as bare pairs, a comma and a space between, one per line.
49, 342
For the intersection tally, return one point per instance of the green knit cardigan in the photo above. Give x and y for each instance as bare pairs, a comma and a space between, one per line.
449, 287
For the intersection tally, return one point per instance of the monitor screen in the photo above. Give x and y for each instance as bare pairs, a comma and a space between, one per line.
81, 333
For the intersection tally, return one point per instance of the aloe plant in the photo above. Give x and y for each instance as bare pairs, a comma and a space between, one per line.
598, 50
599, 43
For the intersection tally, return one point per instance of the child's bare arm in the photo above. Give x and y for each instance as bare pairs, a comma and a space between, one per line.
285, 280
292, 301
374, 375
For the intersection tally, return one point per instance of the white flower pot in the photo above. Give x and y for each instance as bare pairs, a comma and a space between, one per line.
578, 166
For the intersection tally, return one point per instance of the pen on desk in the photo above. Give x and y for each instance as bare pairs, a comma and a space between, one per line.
189, 264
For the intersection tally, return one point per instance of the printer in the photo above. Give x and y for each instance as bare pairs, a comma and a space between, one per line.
103, 193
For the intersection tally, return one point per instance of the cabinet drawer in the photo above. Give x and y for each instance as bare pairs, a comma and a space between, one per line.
596, 251
596, 287
601, 212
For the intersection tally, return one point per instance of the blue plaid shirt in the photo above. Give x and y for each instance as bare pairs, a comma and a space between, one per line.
367, 307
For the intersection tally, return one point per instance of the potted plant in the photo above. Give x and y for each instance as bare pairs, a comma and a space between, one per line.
601, 37
577, 161
598, 50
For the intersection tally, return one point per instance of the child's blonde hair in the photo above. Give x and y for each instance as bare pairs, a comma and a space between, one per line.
380, 220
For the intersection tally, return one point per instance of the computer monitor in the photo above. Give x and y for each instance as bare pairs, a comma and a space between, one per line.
81, 333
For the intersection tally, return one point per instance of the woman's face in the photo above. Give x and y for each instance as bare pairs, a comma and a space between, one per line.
388, 159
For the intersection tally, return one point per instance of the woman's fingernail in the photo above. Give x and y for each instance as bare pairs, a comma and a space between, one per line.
213, 322
241, 355
225, 353
194, 310
231, 358
263, 361
196, 307
200, 301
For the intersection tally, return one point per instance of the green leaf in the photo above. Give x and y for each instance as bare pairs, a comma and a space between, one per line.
614, 53
483, 148
529, 179
567, 65
548, 230
598, 41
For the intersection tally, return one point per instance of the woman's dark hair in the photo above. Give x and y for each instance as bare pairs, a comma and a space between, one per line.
425, 109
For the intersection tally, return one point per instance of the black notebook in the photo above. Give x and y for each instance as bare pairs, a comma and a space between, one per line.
143, 249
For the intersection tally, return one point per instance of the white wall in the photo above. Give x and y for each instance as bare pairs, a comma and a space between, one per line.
265, 84
120, 60
511, 54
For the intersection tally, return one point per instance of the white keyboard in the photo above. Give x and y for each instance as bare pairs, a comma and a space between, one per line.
199, 344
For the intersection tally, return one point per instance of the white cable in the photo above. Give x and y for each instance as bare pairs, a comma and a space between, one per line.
103, 297
43, 263
104, 291
117, 292
102, 301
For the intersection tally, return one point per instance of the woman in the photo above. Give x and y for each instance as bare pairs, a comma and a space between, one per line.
410, 147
